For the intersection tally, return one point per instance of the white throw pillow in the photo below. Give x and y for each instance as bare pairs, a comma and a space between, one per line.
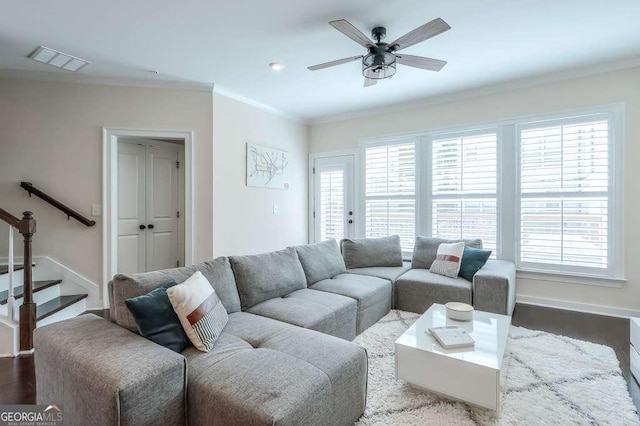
199, 309
448, 259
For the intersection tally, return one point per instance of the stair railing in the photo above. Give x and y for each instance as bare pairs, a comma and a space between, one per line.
32, 190
27, 320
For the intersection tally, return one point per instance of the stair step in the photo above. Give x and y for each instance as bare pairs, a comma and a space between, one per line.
57, 304
18, 291
4, 269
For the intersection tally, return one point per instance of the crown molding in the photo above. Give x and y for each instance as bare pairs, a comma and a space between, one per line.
65, 77
228, 93
585, 71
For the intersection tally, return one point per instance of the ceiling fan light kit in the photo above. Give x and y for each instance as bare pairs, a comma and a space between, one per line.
381, 60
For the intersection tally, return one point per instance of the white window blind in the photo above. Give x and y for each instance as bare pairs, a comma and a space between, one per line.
331, 204
390, 181
464, 188
565, 194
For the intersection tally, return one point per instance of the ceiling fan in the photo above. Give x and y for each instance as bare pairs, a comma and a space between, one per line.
381, 59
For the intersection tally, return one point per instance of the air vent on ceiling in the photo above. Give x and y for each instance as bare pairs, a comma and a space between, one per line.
58, 59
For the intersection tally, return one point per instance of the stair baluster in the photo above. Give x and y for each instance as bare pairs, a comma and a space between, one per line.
10, 299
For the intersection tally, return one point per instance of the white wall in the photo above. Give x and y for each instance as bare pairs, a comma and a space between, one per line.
243, 218
51, 135
614, 87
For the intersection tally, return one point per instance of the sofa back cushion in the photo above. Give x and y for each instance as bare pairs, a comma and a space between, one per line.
426, 249
266, 276
218, 272
370, 252
321, 261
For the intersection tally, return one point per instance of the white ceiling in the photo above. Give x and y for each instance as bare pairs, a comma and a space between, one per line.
231, 43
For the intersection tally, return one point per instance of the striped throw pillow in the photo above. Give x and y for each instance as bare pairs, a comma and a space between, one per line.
199, 309
448, 259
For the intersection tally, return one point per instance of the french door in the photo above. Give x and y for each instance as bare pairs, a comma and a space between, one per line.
334, 201
148, 207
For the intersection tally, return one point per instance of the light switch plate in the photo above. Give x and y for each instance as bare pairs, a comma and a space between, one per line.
275, 208
96, 210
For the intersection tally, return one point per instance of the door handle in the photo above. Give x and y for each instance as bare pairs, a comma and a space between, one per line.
350, 221
151, 226
142, 227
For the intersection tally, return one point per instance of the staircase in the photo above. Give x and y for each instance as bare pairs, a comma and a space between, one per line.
52, 304
39, 300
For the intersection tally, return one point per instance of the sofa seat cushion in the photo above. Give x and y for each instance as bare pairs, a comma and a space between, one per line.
264, 276
390, 273
320, 261
317, 310
265, 372
372, 294
418, 289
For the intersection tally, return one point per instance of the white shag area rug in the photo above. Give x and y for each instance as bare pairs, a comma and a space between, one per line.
550, 380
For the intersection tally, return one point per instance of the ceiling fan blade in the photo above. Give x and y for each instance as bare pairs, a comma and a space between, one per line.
370, 82
352, 32
422, 33
334, 63
421, 62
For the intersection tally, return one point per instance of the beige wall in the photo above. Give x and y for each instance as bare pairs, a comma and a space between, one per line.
614, 87
243, 218
52, 137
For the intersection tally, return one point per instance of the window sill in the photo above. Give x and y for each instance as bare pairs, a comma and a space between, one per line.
571, 278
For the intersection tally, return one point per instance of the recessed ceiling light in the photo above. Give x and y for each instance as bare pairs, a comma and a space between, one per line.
58, 59
276, 66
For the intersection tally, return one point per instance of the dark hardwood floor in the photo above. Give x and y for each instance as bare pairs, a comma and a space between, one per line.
609, 331
17, 379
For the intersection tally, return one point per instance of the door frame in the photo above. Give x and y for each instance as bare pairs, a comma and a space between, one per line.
110, 137
355, 185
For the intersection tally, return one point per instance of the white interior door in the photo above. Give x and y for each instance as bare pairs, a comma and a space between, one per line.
131, 208
148, 207
333, 210
162, 208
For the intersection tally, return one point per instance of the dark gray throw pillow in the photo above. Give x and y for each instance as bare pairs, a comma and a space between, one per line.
426, 249
321, 261
370, 252
473, 260
156, 319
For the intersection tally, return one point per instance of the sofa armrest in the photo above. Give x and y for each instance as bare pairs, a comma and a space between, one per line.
106, 375
494, 287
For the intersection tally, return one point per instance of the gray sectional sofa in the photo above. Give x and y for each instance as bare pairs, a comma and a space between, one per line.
285, 357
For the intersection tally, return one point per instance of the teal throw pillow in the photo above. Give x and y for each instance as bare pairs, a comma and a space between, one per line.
472, 260
156, 319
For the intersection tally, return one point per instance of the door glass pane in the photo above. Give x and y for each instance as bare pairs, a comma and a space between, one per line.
331, 204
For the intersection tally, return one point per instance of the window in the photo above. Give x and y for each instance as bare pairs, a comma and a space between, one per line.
565, 194
544, 192
464, 188
390, 195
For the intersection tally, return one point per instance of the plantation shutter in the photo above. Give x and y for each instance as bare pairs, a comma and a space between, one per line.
390, 182
331, 204
464, 188
564, 185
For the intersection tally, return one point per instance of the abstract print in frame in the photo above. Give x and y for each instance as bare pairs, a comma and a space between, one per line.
267, 167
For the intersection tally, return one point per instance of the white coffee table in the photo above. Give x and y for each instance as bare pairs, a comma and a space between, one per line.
472, 374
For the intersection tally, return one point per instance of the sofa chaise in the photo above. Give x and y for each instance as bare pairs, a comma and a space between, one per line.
285, 356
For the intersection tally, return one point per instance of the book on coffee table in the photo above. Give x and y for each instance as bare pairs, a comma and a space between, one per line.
452, 337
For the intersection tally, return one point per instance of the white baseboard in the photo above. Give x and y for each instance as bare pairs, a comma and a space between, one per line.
8, 338
610, 311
